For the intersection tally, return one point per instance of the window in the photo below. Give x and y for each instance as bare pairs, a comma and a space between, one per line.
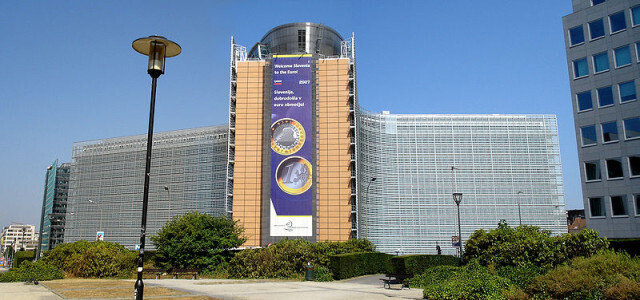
623, 56
601, 62
631, 128
617, 22
584, 101
302, 40
635, 15
588, 135
637, 200
596, 29
610, 132
596, 2
638, 51
576, 35
614, 168
580, 68
634, 166
605, 96
627, 91
619, 205
592, 170
596, 206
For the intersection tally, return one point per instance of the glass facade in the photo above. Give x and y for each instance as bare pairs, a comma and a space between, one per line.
106, 184
409, 206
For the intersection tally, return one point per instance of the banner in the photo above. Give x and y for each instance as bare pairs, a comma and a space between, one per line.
291, 146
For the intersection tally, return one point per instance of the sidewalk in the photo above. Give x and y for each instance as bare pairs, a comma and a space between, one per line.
20, 290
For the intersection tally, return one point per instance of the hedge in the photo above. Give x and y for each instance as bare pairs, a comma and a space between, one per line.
23, 256
28, 271
631, 246
418, 264
356, 264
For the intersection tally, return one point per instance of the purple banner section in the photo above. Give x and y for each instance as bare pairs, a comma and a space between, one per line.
291, 140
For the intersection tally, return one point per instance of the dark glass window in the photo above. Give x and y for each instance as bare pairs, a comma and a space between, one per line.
588, 135
596, 29
596, 206
605, 96
609, 132
614, 168
580, 68
592, 170
635, 15
596, 2
302, 41
637, 199
632, 128
617, 22
634, 165
601, 62
576, 34
638, 51
623, 56
619, 205
627, 91
584, 101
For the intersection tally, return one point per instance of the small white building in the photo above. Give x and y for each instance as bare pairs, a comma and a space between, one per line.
19, 236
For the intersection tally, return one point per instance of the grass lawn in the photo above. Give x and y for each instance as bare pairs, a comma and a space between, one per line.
112, 289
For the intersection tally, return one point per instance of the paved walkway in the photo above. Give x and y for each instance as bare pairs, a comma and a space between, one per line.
366, 287
20, 290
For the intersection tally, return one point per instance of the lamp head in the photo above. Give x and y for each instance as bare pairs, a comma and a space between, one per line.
157, 48
457, 197
166, 188
373, 179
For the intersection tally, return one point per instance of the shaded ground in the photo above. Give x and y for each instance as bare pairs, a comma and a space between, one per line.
111, 289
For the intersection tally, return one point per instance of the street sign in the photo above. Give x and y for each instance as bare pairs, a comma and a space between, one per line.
137, 247
455, 241
100, 236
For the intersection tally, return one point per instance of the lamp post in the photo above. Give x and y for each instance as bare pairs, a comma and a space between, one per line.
166, 188
519, 214
157, 48
457, 198
99, 207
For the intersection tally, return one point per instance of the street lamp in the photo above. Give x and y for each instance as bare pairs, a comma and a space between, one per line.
157, 48
518, 199
166, 188
457, 198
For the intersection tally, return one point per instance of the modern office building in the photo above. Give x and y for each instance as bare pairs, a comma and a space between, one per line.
54, 205
602, 41
105, 191
20, 237
506, 166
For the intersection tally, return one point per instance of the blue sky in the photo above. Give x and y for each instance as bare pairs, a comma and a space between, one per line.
69, 73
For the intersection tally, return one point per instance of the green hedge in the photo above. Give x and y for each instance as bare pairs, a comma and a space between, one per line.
23, 256
417, 264
356, 264
631, 246
28, 271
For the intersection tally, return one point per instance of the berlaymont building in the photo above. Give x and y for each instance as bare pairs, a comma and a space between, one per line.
301, 158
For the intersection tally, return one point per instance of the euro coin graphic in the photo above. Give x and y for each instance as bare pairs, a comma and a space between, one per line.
287, 136
294, 175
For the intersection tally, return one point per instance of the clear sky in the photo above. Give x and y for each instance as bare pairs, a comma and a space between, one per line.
68, 72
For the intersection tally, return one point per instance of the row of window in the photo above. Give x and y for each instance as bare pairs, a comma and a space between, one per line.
614, 169
618, 206
609, 132
626, 92
600, 61
617, 23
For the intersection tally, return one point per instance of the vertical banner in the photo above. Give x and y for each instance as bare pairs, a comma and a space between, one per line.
291, 146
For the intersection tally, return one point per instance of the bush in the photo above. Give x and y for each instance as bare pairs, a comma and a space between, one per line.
530, 245
434, 275
417, 264
288, 258
356, 264
322, 273
606, 275
521, 276
22, 256
469, 282
28, 271
196, 240
631, 246
92, 259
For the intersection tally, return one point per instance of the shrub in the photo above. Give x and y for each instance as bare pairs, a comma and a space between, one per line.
356, 264
196, 240
469, 282
22, 256
322, 273
606, 275
288, 258
521, 275
92, 259
631, 246
417, 264
434, 275
28, 270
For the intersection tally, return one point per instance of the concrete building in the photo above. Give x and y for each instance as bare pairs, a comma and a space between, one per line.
602, 41
105, 191
20, 237
54, 205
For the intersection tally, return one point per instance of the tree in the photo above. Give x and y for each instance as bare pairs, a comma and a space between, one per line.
196, 240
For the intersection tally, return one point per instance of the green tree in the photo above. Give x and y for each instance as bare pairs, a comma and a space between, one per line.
196, 240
